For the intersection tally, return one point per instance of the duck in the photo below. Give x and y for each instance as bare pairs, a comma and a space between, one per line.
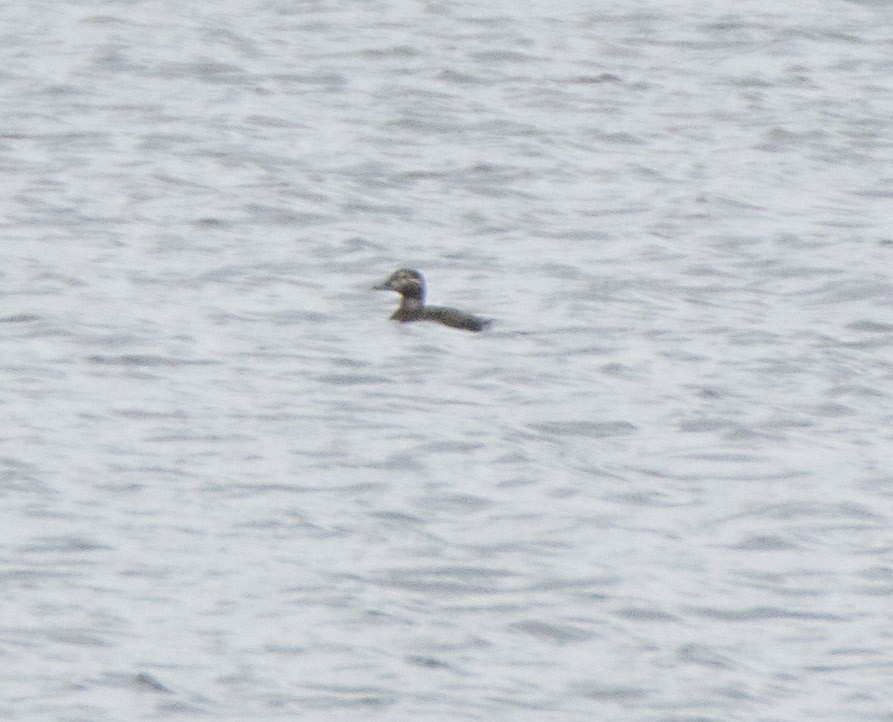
410, 284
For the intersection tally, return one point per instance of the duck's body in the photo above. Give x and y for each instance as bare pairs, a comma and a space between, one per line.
411, 287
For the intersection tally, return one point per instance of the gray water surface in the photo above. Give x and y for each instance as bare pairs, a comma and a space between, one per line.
658, 489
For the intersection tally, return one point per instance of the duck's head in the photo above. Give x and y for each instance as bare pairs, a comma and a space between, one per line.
407, 282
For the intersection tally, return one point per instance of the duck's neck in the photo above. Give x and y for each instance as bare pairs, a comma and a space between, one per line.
410, 308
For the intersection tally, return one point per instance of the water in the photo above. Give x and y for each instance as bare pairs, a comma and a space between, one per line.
659, 489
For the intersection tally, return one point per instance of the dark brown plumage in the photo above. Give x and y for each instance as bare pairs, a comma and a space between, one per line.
411, 286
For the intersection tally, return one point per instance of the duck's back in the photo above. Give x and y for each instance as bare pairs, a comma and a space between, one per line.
455, 318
